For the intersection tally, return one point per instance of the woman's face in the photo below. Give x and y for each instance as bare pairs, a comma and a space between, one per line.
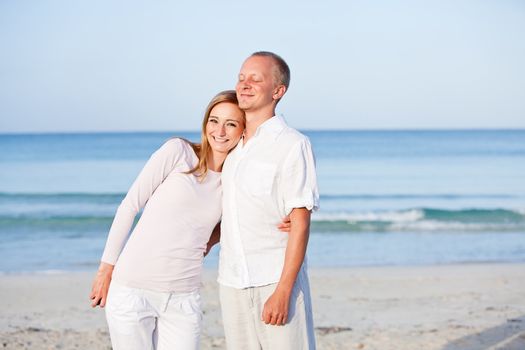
224, 127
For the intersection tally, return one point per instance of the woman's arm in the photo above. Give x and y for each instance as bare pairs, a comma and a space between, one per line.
157, 168
100, 287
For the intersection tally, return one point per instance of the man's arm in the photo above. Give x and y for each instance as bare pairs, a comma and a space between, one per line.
283, 226
214, 238
275, 309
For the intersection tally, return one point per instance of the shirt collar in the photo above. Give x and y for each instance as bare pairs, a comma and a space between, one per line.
271, 127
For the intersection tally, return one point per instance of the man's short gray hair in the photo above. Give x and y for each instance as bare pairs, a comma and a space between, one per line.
283, 71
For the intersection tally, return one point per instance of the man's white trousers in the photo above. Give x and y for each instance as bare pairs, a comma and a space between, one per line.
242, 317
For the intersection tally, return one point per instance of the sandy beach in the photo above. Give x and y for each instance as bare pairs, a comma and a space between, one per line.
452, 307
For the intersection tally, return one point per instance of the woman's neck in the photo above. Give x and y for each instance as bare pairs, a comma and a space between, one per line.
215, 161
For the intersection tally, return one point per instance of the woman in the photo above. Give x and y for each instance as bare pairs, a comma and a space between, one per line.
154, 277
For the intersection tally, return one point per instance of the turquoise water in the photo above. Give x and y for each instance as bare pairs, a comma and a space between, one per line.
387, 197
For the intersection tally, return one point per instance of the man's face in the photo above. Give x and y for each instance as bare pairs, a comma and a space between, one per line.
256, 85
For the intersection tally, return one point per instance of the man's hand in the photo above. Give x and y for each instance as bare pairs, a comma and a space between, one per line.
215, 238
99, 290
275, 311
285, 225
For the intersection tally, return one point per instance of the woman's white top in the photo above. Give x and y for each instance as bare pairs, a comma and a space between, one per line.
166, 248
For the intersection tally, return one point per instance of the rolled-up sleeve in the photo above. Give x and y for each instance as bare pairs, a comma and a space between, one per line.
299, 180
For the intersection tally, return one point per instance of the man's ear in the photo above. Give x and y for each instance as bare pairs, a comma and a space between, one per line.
279, 92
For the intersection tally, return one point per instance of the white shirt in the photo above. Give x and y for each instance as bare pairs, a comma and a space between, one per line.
262, 182
165, 250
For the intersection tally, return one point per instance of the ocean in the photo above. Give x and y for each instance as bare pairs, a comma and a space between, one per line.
387, 197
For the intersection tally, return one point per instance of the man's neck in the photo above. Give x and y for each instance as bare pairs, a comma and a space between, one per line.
253, 121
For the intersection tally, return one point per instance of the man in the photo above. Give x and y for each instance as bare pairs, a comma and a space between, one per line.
264, 292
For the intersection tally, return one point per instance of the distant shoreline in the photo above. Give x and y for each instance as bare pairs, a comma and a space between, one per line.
196, 131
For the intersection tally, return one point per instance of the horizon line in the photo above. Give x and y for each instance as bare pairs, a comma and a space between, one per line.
86, 132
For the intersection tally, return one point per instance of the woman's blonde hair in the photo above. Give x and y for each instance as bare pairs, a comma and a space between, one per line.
203, 149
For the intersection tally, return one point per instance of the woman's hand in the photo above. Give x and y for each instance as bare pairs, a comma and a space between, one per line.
285, 225
99, 290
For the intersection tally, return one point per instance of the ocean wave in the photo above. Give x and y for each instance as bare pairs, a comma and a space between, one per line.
384, 216
74, 226
409, 220
421, 220
401, 196
61, 196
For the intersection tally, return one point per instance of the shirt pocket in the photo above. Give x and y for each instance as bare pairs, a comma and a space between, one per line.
259, 177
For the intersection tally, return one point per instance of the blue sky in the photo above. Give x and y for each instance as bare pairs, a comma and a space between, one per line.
153, 65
